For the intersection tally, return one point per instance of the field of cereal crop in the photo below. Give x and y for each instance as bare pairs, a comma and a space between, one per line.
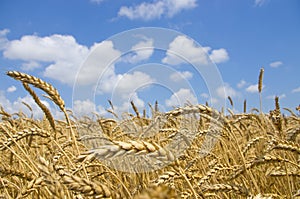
189, 152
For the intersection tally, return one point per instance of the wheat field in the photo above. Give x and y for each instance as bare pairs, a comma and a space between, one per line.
189, 152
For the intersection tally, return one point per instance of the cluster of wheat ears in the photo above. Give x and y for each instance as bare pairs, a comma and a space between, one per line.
247, 155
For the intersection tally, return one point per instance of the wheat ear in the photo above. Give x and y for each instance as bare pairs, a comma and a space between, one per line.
38, 83
245, 106
230, 101
50, 90
260, 86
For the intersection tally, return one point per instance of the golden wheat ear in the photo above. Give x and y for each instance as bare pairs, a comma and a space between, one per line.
47, 88
38, 83
260, 86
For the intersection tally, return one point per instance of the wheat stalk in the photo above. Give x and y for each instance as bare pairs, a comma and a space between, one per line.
230, 101
47, 88
38, 83
22, 134
260, 86
41, 105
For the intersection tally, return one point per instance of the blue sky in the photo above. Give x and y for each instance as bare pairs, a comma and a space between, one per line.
71, 45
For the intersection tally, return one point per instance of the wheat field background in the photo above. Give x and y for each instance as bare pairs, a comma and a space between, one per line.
256, 155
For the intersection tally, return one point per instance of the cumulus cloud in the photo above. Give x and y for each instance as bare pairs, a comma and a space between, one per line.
219, 55
65, 60
124, 88
127, 83
17, 105
253, 88
144, 11
11, 89
156, 9
226, 90
47, 49
62, 57
183, 49
3, 40
83, 107
126, 106
80, 108
179, 76
31, 65
181, 97
276, 64
296, 90
141, 51
241, 84
99, 61
62, 51
86, 108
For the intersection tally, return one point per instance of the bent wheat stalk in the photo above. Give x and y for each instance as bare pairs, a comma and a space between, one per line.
41, 105
38, 83
50, 90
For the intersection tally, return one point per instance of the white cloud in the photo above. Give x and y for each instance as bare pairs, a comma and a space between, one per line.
219, 56
187, 50
86, 108
3, 40
296, 90
83, 107
179, 76
126, 105
124, 88
31, 65
156, 9
16, 106
241, 84
127, 84
253, 88
226, 90
62, 51
11, 89
142, 51
176, 6
180, 97
183, 49
276, 64
65, 56
273, 96
98, 62
47, 49
145, 11
259, 2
